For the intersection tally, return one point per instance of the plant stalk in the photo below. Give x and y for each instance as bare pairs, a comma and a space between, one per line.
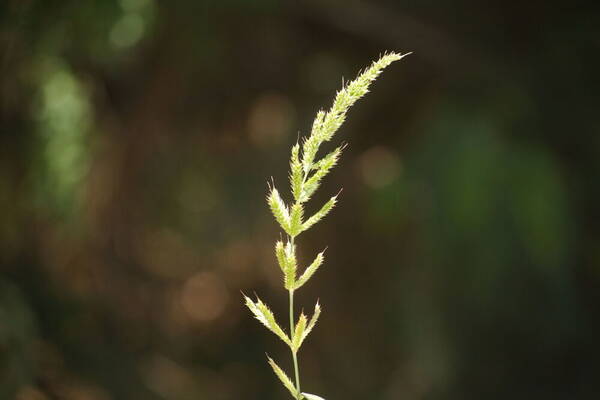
294, 353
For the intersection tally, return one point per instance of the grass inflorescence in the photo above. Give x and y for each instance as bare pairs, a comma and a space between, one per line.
306, 173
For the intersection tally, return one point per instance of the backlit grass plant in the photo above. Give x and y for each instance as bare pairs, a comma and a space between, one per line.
306, 173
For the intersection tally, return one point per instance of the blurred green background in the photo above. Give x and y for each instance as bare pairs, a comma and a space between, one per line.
137, 139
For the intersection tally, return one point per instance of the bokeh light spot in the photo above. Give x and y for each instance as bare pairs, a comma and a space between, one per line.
204, 297
133, 5
270, 119
379, 166
127, 31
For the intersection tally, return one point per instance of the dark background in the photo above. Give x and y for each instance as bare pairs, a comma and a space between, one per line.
137, 139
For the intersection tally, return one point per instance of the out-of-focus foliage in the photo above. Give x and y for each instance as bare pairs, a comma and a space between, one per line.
137, 138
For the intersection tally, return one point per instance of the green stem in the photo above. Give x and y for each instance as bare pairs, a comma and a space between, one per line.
294, 354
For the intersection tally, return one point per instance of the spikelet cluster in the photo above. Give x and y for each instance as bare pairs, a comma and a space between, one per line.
306, 174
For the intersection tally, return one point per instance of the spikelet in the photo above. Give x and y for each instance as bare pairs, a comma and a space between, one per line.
304, 327
279, 209
326, 124
280, 254
286, 258
311, 324
310, 270
346, 97
310, 145
283, 377
299, 333
320, 214
296, 172
322, 168
265, 316
296, 217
